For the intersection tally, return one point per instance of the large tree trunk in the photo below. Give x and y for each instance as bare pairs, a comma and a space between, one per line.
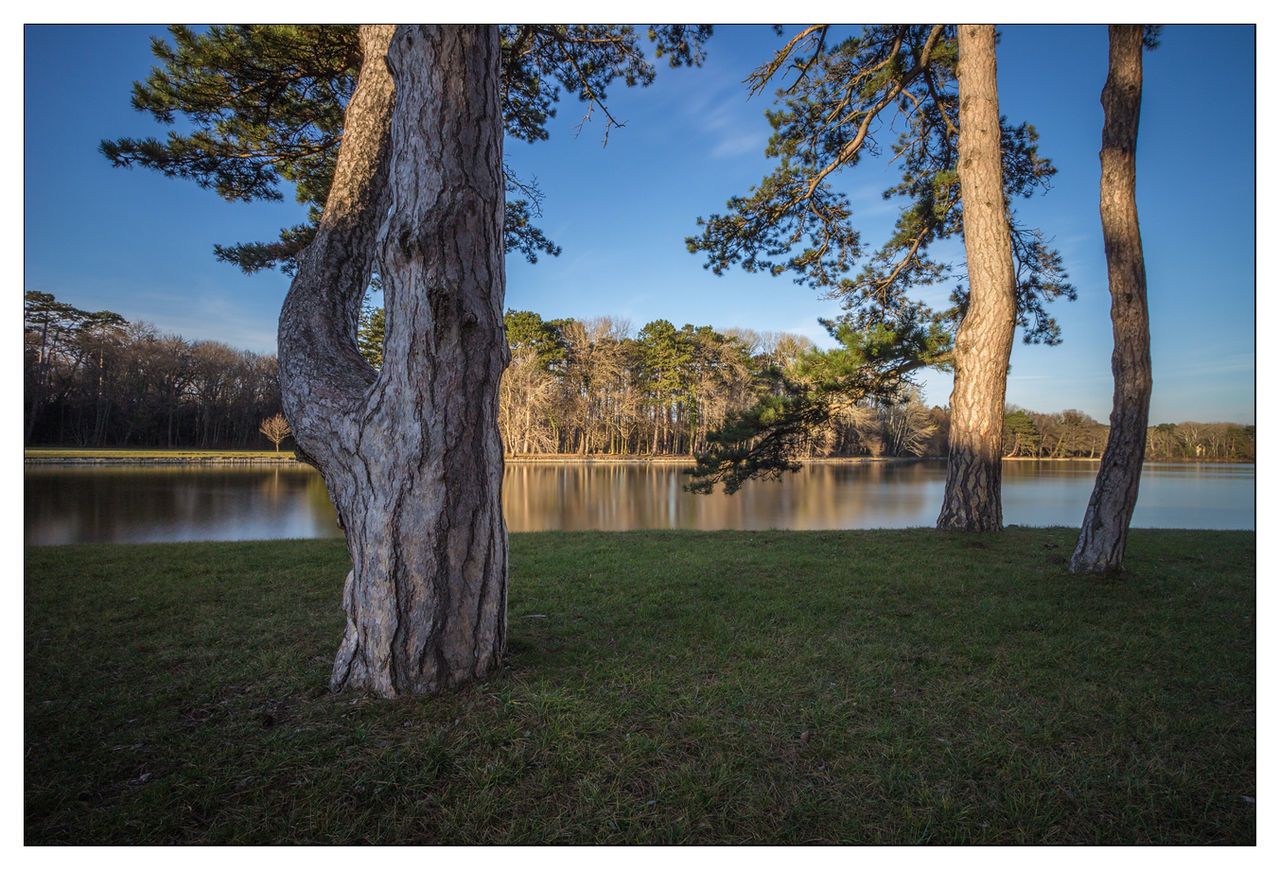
971, 501
411, 455
1106, 520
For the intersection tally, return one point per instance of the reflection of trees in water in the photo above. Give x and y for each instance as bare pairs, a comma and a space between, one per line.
70, 505
281, 488
270, 488
847, 495
318, 498
104, 504
618, 496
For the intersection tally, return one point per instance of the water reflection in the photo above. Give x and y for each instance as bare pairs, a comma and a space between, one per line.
187, 503
174, 503
1171, 495
621, 496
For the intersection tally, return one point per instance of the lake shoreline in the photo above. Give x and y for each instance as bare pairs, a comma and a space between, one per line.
93, 456
161, 460
182, 500
122, 457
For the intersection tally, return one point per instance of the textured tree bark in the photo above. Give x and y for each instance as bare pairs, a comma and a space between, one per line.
971, 500
411, 454
1105, 530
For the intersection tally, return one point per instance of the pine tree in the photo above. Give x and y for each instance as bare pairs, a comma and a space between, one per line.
841, 101
1020, 434
371, 334
1105, 530
266, 105
410, 454
528, 331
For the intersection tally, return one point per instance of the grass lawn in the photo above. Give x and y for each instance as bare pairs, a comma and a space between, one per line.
660, 687
150, 453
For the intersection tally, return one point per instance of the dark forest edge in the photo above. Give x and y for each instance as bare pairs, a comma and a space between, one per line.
574, 389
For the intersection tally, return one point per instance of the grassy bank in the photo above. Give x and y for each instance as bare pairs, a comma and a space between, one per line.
781, 687
148, 454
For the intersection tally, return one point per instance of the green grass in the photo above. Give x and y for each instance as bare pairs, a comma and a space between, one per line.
660, 687
145, 453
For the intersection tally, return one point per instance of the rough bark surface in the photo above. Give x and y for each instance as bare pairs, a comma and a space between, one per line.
971, 500
411, 454
1115, 492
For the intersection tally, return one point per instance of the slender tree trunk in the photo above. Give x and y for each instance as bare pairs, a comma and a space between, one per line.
41, 374
411, 455
169, 412
1115, 492
971, 501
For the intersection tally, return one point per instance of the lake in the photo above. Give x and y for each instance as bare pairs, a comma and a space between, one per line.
79, 504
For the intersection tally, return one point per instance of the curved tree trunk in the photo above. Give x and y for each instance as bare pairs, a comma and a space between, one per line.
1115, 492
411, 454
971, 501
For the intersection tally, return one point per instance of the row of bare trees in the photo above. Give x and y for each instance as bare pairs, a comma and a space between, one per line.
1201, 441
1074, 434
93, 379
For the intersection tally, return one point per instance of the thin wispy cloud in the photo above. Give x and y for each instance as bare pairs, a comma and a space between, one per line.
739, 145
721, 111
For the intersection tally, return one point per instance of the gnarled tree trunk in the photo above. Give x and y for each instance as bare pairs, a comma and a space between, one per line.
971, 500
1115, 492
411, 454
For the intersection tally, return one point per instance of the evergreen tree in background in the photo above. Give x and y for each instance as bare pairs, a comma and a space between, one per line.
793, 417
1021, 438
49, 325
371, 333
527, 331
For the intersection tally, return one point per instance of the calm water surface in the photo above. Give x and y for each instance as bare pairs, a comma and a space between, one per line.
194, 503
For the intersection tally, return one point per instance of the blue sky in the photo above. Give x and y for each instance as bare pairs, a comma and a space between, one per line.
140, 244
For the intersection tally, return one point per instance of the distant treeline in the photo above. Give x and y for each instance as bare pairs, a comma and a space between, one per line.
589, 387
92, 379
574, 387
1073, 434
